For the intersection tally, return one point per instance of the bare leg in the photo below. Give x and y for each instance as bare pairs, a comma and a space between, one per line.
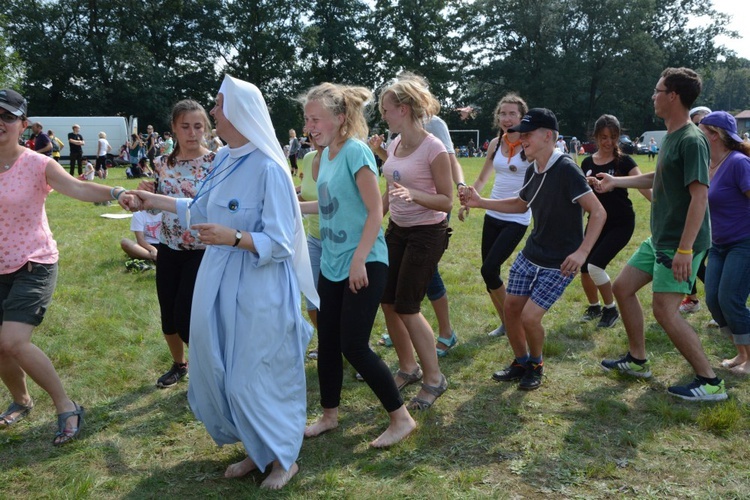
401, 426
666, 308
532, 324
514, 306
608, 296
498, 300
625, 287
176, 347
240, 469
313, 314
423, 340
279, 477
442, 314
589, 288
328, 422
134, 250
15, 345
407, 363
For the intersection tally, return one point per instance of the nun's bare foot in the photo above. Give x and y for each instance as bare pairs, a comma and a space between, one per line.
278, 477
328, 422
240, 469
401, 426
735, 361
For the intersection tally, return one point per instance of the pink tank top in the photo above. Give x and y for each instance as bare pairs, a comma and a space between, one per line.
24, 231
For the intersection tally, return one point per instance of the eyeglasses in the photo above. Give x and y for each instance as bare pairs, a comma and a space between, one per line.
9, 118
666, 91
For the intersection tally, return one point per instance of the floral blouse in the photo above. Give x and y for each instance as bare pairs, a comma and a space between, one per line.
182, 180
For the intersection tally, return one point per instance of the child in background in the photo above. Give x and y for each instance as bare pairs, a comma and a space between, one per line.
88, 174
142, 251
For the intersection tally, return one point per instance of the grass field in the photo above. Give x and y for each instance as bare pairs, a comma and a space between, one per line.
583, 434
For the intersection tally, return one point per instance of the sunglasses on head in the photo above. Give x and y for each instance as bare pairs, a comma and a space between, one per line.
9, 117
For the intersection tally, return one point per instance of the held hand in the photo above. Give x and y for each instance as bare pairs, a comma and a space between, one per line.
142, 200
214, 234
469, 197
129, 202
572, 263
147, 186
682, 266
357, 276
400, 191
463, 213
375, 142
606, 183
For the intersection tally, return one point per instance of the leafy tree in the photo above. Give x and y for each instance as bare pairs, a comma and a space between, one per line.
13, 67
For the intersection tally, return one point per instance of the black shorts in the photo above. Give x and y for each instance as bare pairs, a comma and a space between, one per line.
26, 294
176, 271
413, 256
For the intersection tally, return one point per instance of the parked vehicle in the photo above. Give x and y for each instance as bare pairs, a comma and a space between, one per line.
626, 145
645, 140
117, 128
589, 147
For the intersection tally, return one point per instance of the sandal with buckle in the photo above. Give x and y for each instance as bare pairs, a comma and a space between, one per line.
409, 378
64, 435
449, 344
420, 404
6, 418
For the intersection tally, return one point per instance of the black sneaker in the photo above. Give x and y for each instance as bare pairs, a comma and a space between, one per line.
173, 376
532, 378
514, 372
592, 312
609, 317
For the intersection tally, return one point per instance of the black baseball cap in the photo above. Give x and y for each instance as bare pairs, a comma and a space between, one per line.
536, 118
12, 101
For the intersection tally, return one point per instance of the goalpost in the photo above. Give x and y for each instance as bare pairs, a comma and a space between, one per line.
476, 132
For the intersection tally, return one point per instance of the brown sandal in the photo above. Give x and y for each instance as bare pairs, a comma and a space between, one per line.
420, 404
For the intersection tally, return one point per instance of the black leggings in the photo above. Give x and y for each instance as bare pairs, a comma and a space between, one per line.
613, 238
499, 239
345, 322
176, 271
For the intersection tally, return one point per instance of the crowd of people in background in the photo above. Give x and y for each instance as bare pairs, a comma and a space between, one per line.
239, 250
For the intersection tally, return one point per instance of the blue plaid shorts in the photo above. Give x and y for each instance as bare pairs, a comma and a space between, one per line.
542, 284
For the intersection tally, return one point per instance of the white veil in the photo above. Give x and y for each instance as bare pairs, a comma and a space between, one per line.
246, 110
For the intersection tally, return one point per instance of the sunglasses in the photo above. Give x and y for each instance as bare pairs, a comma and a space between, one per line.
9, 117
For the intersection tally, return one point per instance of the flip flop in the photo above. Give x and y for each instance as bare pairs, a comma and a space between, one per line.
449, 344
23, 411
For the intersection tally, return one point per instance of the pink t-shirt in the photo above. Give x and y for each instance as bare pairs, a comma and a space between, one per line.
24, 231
413, 172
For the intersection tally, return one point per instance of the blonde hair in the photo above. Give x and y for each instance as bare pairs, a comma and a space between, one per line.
102, 135
413, 91
343, 100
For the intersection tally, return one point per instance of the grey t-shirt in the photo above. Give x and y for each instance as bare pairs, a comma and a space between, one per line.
437, 127
558, 218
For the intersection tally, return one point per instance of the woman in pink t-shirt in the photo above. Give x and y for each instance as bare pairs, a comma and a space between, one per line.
28, 265
419, 195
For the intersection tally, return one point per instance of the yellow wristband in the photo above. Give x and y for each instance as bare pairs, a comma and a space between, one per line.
685, 252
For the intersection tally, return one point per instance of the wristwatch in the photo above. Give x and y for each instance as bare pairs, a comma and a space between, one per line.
237, 238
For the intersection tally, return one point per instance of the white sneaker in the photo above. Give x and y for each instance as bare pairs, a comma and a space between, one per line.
712, 324
497, 332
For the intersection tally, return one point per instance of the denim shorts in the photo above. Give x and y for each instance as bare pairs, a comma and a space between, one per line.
26, 294
543, 285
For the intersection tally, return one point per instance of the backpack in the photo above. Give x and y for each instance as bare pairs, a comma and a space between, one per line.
57, 145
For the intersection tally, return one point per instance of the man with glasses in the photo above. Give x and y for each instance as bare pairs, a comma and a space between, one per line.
680, 236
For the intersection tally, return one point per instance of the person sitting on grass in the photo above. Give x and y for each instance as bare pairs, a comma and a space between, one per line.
556, 191
88, 174
146, 227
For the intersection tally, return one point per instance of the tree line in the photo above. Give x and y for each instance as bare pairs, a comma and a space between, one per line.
580, 58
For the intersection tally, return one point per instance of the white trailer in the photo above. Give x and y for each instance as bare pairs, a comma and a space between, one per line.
117, 128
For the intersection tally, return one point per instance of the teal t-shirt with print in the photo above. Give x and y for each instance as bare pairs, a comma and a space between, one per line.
342, 211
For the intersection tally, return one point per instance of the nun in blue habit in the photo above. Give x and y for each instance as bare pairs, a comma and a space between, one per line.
248, 337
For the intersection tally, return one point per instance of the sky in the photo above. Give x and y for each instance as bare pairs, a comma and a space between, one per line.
735, 8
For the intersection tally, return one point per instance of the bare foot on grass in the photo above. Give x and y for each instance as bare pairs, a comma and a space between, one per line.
278, 477
240, 469
741, 369
321, 426
396, 432
737, 360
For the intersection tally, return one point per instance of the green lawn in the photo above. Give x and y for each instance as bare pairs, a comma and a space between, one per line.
583, 434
